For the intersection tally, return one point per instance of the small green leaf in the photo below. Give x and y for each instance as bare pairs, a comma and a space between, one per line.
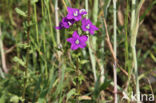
14, 99
70, 93
25, 45
20, 12
84, 61
34, 1
153, 57
18, 60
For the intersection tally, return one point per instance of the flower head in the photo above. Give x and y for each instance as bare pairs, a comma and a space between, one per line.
77, 41
88, 26
75, 14
65, 23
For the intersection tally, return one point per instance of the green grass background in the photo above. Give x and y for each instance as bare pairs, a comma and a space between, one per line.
43, 68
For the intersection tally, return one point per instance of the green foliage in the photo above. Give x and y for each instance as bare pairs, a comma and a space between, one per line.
41, 71
20, 12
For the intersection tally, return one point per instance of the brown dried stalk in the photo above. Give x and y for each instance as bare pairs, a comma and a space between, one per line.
3, 54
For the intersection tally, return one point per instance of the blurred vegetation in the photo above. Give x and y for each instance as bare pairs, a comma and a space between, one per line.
42, 72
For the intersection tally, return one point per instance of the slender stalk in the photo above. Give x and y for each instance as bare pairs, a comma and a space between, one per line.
93, 63
136, 73
86, 6
44, 36
92, 59
36, 23
58, 38
51, 27
126, 46
43, 29
133, 43
1, 73
134, 31
95, 11
126, 37
3, 54
95, 17
57, 21
133, 13
115, 51
27, 54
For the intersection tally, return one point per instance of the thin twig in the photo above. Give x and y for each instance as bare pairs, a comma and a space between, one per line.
114, 57
108, 41
10, 49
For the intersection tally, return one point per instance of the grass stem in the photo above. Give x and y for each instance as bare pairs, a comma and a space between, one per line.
134, 31
27, 54
51, 27
115, 51
93, 62
57, 21
36, 23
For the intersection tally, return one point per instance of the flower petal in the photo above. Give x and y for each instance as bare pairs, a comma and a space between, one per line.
70, 13
84, 24
75, 35
58, 27
84, 28
74, 47
82, 45
94, 27
83, 38
91, 32
78, 18
70, 40
83, 12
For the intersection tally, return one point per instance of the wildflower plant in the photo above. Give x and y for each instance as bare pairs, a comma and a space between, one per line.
80, 27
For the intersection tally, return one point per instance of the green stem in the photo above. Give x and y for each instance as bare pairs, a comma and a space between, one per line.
51, 27
36, 23
44, 37
126, 42
92, 59
115, 51
93, 63
134, 31
27, 54
95, 11
136, 73
43, 29
57, 21
86, 6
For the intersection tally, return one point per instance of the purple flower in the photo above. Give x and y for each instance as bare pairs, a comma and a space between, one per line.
88, 26
77, 41
75, 14
65, 23
83, 12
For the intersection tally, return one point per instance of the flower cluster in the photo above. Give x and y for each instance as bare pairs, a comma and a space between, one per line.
75, 16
